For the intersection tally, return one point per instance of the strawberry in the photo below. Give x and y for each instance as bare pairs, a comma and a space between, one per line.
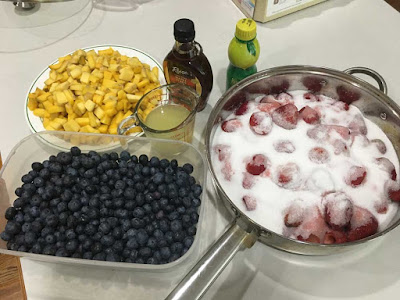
288, 176
309, 115
341, 105
358, 125
286, 116
268, 99
338, 210
257, 164
392, 189
339, 147
380, 145
334, 237
242, 109
347, 95
362, 224
284, 98
294, 215
318, 155
250, 202
312, 238
318, 133
356, 176
387, 165
313, 227
260, 123
248, 180
231, 125
310, 97
284, 146
268, 107
341, 130
313, 84
223, 151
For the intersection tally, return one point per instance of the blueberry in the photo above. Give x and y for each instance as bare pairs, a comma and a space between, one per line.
169, 237
173, 257
125, 156
176, 248
26, 178
90, 229
60, 245
169, 170
194, 217
146, 171
196, 202
30, 237
19, 217
18, 191
182, 192
197, 190
96, 247
6, 236
188, 168
139, 187
142, 237
50, 239
164, 163
12, 228
164, 225
36, 249
130, 205
152, 261
36, 227
71, 246
191, 231
75, 151
118, 246
152, 243
145, 252
117, 193
26, 227
87, 255
165, 253
168, 178
60, 237
157, 256
55, 167
37, 166
113, 257
173, 216
139, 212
74, 205
178, 236
70, 234
181, 210
10, 213
113, 222
143, 159
176, 225
18, 203
52, 220
107, 240
117, 233
132, 244
93, 213
120, 185
100, 256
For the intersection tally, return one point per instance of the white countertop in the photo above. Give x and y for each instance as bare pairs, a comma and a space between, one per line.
338, 34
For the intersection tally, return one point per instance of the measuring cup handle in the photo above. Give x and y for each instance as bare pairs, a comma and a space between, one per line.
121, 129
209, 267
375, 75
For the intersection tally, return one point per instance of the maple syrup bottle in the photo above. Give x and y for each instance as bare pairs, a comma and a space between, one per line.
187, 64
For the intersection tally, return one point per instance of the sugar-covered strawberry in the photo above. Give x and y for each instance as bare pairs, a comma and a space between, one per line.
260, 123
242, 109
355, 176
268, 107
392, 190
250, 202
318, 155
248, 180
294, 214
310, 97
231, 125
338, 210
380, 145
358, 125
387, 165
309, 115
224, 155
334, 237
286, 116
284, 146
313, 227
257, 164
362, 224
288, 176
284, 98
340, 105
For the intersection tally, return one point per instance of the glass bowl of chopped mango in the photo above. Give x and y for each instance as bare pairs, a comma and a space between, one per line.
91, 90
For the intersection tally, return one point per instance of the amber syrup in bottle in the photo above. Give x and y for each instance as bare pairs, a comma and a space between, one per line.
187, 64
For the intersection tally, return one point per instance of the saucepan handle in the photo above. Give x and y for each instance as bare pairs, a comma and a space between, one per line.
206, 271
375, 75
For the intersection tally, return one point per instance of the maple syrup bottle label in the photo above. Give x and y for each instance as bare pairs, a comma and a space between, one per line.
175, 73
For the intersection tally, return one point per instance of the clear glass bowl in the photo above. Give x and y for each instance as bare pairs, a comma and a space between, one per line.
36, 148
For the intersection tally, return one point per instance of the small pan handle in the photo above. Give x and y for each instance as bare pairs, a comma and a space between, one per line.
375, 75
206, 271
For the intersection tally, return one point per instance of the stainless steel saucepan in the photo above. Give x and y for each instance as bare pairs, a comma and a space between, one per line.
244, 232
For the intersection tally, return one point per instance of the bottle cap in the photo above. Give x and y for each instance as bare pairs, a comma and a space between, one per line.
246, 29
184, 30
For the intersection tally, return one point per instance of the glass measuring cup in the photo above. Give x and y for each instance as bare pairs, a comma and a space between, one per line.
172, 117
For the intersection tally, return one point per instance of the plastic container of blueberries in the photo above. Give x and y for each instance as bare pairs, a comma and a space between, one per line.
39, 146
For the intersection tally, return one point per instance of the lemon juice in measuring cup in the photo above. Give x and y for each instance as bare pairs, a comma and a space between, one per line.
173, 117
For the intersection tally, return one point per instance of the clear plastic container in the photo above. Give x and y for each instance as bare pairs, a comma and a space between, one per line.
37, 148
